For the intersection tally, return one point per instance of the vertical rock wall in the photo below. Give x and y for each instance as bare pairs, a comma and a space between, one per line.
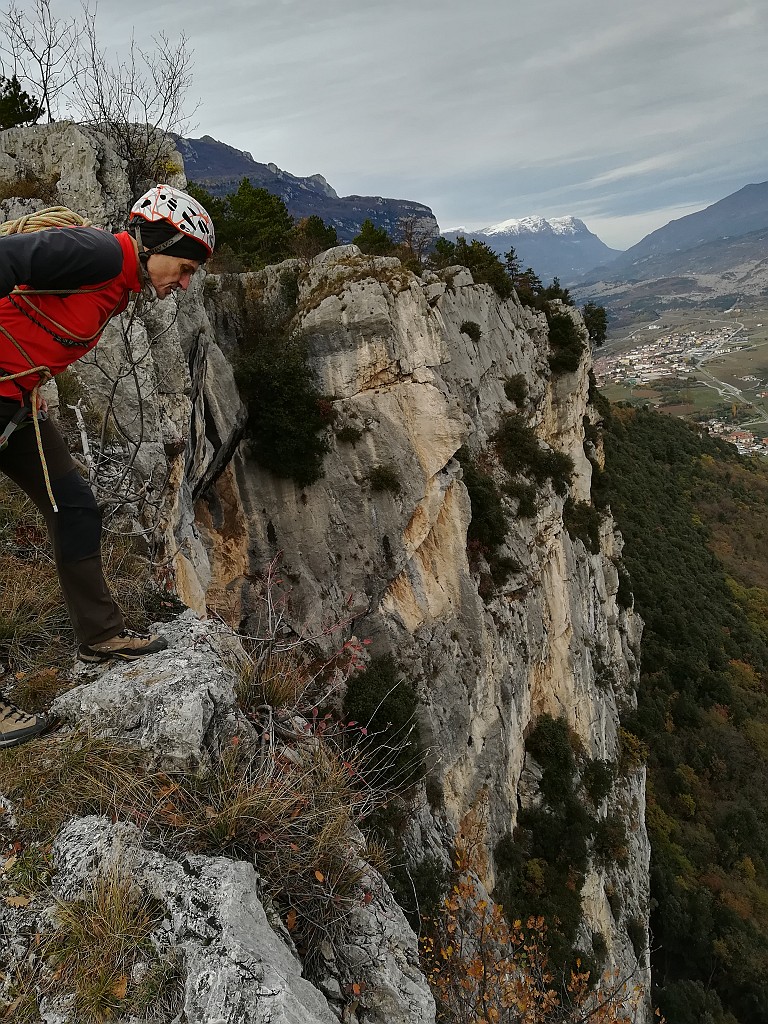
389, 351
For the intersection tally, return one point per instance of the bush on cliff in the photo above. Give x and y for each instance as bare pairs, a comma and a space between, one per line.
483, 263
520, 452
287, 427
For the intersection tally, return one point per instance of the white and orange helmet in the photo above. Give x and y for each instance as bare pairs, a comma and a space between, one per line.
179, 210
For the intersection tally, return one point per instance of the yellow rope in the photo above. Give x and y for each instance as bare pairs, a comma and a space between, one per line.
51, 217
45, 375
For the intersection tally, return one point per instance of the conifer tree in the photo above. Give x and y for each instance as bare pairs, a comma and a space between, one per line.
17, 107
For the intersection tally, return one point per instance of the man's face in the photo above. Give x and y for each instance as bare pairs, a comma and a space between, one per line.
169, 273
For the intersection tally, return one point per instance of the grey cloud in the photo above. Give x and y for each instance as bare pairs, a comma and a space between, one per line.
490, 109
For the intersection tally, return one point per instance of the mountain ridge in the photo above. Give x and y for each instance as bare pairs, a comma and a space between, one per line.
220, 168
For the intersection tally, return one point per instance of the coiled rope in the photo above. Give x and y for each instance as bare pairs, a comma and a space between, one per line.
52, 217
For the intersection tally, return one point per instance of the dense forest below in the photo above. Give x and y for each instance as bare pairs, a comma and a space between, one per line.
694, 515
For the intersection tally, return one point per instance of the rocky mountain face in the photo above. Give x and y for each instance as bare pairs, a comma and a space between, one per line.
220, 169
562, 247
392, 353
715, 257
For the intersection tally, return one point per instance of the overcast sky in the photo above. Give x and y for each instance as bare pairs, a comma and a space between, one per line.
624, 114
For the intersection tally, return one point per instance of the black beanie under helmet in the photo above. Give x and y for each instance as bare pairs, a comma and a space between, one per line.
154, 234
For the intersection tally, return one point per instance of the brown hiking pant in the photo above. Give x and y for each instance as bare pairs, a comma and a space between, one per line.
75, 530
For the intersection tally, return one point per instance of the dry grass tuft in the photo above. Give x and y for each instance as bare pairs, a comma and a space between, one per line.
50, 779
270, 678
97, 942
98, 957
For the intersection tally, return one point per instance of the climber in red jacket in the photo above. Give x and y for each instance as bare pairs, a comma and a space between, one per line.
59, 287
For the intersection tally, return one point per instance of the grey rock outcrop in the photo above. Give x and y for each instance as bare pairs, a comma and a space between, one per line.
236, 966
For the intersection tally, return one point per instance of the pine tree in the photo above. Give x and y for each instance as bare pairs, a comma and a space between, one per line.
16, 106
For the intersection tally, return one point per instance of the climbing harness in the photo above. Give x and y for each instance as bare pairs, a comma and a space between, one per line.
52, 217
19, 419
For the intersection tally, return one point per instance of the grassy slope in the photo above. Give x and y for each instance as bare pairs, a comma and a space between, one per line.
693, 514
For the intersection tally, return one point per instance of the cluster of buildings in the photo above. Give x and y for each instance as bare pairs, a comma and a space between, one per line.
668, 355
675, 355
745, 441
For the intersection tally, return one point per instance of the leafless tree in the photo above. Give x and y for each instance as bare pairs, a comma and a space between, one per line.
39, 46
416, 237
137, 101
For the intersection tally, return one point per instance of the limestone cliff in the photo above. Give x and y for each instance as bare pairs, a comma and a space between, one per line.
388, 350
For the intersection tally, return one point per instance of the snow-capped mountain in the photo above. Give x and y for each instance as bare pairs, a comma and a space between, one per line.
561, 247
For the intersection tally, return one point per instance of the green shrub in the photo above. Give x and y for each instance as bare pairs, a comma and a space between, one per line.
385, 478
565, 342
596, 321
349, 434
516, 388
520, 452
550, 744
286, 429
633, 752
385, 703
373, 241
488, 525
311, 236
582, 521
624, 596
599, 947
542, 867
637, 936
254, 224
525, 495
472, 330
502, 567
483, 263
17, 107
597, 778
596, 399
609, 843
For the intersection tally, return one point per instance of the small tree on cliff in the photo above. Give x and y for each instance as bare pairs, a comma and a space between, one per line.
17, 107
596, 322
373, 241
312, 236
486, 267
137, 101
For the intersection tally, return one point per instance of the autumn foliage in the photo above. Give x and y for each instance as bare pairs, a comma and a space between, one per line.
484, 970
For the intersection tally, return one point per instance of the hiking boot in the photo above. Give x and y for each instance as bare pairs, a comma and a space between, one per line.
126, 645
16, 725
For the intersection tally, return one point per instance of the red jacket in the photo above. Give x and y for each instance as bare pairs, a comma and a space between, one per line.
81, 259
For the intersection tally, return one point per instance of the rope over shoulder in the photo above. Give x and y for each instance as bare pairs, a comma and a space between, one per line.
51, 217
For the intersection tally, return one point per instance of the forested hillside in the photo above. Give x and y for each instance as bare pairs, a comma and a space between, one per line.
694, 516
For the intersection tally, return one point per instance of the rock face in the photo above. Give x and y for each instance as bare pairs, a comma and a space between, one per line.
389, 349
393, 354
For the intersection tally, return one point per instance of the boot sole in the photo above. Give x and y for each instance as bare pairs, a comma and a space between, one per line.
94, 657
29, 734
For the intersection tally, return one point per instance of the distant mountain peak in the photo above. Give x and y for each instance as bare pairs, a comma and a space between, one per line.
534, 225
562, 247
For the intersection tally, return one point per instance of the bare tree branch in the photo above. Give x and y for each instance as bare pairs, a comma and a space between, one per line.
39, 47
